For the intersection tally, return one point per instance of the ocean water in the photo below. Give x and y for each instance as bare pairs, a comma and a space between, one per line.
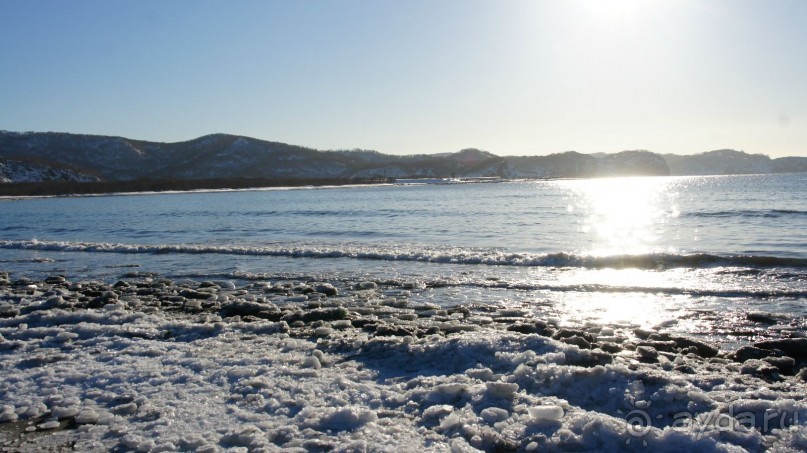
686, 254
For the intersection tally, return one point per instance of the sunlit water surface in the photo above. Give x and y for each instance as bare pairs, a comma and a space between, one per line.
692, 254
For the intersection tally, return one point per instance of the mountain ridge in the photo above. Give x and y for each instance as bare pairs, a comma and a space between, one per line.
219, 155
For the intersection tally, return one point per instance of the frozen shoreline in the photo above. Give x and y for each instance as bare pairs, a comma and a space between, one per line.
155, 365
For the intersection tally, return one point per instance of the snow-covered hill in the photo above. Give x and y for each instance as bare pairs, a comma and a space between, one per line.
231, 156
16, 171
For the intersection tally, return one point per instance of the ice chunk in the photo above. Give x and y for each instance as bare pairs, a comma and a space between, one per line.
450, 421
87, 417
494, 414
64, 412
7, 414
549, 412
312, 362
348, 418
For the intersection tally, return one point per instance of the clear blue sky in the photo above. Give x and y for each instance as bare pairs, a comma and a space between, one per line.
415, 76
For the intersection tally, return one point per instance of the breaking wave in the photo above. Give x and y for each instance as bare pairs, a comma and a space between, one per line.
447, 255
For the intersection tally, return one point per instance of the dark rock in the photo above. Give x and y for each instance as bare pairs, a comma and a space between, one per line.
525, 328
758, 368
643, 334
120, 284
658, 345
686, 369
702, 348
647, 353
209, 284
327, 289
55, 280
193, 294
794, 347
580, 342
244, 308
386, 330
749, 352
589, 358
363, 322
609, 347
174, 299
320, 314
23, 281
9, 311
659, 336
433, 330
763, 318
568, 333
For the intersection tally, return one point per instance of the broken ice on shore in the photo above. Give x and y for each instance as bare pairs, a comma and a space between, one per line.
151, 364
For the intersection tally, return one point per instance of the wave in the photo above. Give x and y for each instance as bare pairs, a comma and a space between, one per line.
445, 255
764, 213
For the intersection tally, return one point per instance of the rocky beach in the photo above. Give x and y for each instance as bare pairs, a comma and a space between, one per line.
150, 364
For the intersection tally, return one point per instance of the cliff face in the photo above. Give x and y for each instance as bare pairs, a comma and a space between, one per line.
230, 156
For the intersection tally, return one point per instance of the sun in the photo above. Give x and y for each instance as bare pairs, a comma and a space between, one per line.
614, 10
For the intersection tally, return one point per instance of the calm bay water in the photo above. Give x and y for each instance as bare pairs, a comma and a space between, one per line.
693, 254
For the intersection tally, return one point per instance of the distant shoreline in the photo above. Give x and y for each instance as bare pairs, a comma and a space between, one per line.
147, 186
59, 189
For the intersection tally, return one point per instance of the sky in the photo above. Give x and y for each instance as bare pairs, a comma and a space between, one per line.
417, 76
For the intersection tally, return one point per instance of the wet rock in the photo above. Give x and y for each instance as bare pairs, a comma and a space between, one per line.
364, 322
101, 299
684, 368
758, 368
536, 327
327, 289
608, 346
762, 318
749, 352
802, 374
320, 314
784, 364
658, 345
647, 353
580, 342
701, 348
120, 284
568, 333
433, 330
387, 330
643, 334
525, 328
194, 294
245, 308
366, 285
55, 280
794, 347
22, 281
9, 311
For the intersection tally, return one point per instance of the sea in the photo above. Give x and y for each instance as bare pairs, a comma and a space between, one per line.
720, 257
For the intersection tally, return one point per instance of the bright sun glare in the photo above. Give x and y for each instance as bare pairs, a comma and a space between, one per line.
614, 9
621, 215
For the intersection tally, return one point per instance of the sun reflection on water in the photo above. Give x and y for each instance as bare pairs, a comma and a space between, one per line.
616, 217
622, 216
